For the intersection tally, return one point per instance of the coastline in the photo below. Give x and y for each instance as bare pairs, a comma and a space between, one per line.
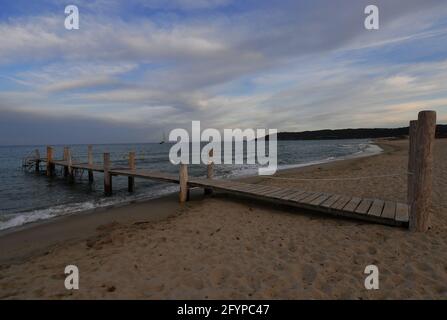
82, 224
233, 248
114, 203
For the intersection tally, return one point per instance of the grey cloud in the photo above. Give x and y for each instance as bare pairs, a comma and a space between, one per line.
196, 64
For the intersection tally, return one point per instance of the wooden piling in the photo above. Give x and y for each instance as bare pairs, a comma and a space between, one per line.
210, 170
90, 163
50, 165
107, 175
183, 181
420, 203
65, 158
37, 152
131, 180
70, 166
411, 158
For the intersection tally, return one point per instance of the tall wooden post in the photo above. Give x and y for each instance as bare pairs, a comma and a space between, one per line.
131, 180
50, 164
210, 170
183, 180
90, 162
411, 158
65, 158
37, 152
422, 180
107, 175
70, 166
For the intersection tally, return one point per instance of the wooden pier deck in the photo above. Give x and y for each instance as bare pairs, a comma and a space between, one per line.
371, 210
415, 214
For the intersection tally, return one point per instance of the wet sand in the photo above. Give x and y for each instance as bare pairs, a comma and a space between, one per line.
224, 247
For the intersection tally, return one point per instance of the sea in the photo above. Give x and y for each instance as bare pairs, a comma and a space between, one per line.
26, 196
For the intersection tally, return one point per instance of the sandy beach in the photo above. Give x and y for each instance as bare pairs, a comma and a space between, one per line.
223, 247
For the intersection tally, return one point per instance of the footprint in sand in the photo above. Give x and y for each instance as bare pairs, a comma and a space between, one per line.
309, 274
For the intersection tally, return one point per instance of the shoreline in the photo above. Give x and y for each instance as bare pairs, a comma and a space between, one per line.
148, 198
59, 230
226, 247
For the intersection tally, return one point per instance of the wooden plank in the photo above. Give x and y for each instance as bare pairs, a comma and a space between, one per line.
260, 189
364, 206
298, 198
389, 210
340, 203
352, 204
286, 191
331, 200
273, 194
247, 188
402, 212
147, 175
240, 187
320, 199
233, 186
293, 195
287, 194
256, 187
270, 191
311, 197
280, 193
376, 208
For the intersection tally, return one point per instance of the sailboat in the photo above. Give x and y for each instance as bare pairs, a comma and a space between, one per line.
164, 139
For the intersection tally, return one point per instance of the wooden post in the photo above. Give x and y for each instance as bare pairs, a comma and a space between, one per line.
50, 164
420, 203
90, 163
37, 160
411, 158
131, 180
69, 166
107, 175
65, 158
183, 180
210, 170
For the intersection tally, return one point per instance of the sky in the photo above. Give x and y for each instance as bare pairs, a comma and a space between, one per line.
138, 68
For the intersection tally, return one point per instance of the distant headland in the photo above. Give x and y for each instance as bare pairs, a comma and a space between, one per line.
364, 133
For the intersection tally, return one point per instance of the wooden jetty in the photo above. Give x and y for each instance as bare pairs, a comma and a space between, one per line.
414, 214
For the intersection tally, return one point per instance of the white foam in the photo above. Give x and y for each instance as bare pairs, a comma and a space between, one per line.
20, 219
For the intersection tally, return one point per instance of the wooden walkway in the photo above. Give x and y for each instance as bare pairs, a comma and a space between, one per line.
419, 187
372, 210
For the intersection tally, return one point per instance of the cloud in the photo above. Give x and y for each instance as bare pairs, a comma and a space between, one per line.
185, 4
293, 66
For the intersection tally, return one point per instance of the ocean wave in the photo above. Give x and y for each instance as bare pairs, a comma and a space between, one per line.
27, 217
16, 219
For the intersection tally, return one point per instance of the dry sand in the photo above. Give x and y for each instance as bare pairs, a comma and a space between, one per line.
224, 248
